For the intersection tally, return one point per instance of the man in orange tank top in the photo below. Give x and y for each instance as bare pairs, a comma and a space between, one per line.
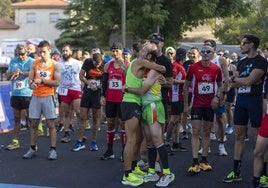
44, 76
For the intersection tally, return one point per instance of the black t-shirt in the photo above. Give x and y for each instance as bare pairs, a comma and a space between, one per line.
93, 73
165, 61
245, 67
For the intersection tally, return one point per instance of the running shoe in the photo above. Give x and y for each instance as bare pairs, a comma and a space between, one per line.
52, 154
229, 129
194, 169
205, 166
184, 135
168, 148
165, 180
232, 177
93, 146
138, 172
30, 154
263, 181
78, 146
178, 147
157, 167
60, 127
65, 139
222, 151
213, 136
143, 165
132, 180
108, 155
201, 151
14, 144
150, 177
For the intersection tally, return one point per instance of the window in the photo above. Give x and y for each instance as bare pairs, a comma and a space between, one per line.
31, 17
53, 17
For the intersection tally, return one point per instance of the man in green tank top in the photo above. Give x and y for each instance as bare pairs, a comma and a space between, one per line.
131, 114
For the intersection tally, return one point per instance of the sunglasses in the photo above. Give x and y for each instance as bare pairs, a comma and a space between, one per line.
204, 51
170, 53
244, 42
22, 54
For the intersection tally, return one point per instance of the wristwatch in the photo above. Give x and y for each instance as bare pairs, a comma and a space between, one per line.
126, 89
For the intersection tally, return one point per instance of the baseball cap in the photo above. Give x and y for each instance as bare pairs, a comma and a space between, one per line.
170, 50
96, 50
126, 51
117, 45
181, 53
156, 38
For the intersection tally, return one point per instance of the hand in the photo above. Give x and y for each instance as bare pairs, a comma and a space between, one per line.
161, 79
215, 102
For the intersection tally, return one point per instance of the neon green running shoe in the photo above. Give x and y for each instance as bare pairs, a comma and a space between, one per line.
132, 180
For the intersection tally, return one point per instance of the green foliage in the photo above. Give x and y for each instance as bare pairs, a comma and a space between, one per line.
143, 17
77, 30
232, 29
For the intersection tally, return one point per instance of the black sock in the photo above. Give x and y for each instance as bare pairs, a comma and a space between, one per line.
237, 166
127, 172
66, 133
33, 147
52, 148
203, 159
256, 181
195, 161
133, 165
163, 154
151, 156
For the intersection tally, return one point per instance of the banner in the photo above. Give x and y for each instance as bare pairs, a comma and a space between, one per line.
6, 114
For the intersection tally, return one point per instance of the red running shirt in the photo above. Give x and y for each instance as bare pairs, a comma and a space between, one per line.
204, 80
116, 80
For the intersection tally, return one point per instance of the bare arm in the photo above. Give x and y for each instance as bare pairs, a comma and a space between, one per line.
186, 86
147, 84
154, 66
253, 78
224, 69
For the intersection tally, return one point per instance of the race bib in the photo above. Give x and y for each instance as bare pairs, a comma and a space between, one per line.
205, 88
63, 91
115, 84
18, 85
95, 82
244, 89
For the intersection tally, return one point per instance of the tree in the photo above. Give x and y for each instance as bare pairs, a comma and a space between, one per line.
77, 31
6, 11
144, 17
233, 28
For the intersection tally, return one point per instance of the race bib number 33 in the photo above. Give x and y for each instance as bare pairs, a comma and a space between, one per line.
115, 84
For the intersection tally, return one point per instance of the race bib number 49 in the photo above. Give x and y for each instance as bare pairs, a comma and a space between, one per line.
205, 88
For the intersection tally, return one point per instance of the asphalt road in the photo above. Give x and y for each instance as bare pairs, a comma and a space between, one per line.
85, 169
